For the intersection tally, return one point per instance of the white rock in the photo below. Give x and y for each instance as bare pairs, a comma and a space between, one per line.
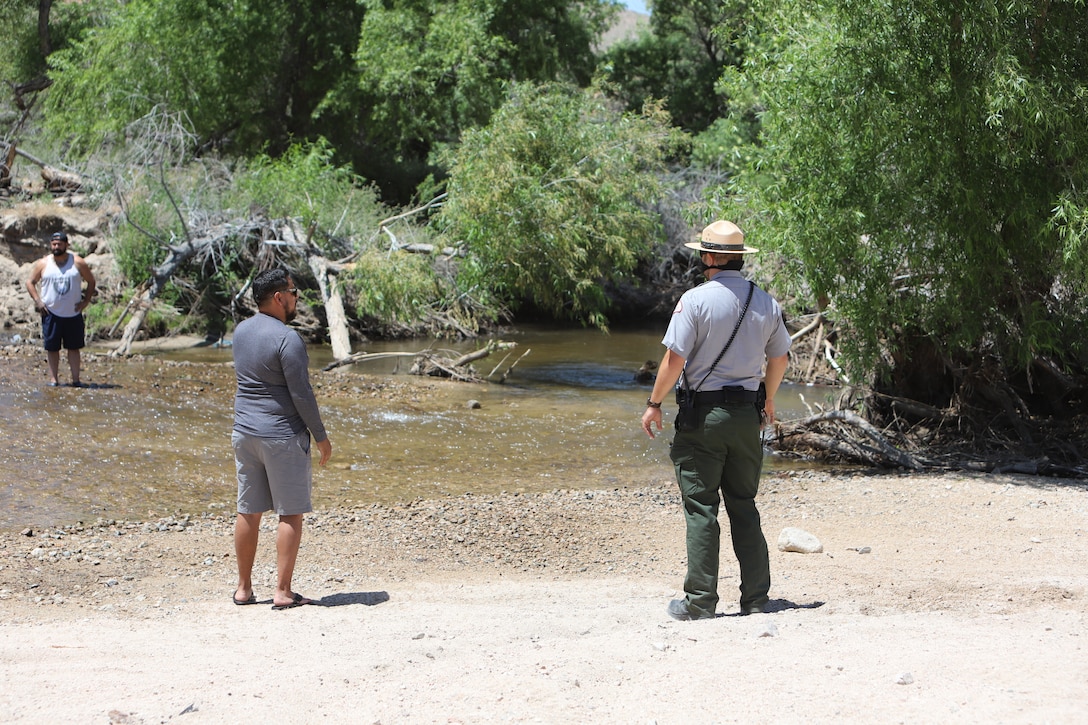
905, 678
799, 540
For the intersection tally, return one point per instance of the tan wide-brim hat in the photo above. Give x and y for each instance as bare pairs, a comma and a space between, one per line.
721, 237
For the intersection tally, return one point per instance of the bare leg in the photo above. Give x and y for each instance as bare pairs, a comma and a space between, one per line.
247, 527
74, 362
288, 539
53, 356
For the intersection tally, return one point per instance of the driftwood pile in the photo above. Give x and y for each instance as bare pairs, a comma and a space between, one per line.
929, 439
864, 427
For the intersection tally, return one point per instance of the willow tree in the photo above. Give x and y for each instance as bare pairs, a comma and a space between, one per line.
249, 76
550, 200
922, 173
680, 59
429, 69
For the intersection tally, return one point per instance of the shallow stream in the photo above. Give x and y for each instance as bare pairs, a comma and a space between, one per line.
150, 437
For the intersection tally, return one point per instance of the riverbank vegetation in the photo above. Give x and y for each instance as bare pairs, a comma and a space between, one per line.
910, 170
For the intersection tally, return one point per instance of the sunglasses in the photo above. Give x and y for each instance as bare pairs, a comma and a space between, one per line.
291, 290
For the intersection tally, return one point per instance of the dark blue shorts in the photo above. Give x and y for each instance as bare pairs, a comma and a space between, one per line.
58, 330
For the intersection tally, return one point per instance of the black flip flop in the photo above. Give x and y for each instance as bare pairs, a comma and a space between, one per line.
242, 602
298, 601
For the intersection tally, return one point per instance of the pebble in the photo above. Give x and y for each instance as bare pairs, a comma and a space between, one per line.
905, 678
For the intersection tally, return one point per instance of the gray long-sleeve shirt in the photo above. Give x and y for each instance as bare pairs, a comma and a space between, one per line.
274, 398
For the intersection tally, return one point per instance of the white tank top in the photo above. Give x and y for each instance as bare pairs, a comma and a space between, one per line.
62, 287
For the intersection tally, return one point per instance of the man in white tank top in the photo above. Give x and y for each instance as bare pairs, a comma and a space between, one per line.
61, 303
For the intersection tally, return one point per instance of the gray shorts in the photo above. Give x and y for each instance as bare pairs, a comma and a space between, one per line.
273, 474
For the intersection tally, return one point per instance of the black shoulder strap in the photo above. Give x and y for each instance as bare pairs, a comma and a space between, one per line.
736, 328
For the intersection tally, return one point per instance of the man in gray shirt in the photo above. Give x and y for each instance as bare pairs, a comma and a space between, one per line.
275, 413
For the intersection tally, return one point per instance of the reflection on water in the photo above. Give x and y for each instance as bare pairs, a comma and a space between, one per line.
152, 437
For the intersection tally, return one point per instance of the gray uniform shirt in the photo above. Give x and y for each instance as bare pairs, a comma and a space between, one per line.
274, 398
704, 319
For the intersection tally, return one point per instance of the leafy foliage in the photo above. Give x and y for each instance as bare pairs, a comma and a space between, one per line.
22, 58
26, 49
395, 290
392, 292
922, 169
681, 59
305, 183
246, 73
546, 199
430, 69
384, 81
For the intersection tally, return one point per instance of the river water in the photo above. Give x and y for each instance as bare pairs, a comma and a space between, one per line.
150, 437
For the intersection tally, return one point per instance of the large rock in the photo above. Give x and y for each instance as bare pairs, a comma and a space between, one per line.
799, 540
25, 229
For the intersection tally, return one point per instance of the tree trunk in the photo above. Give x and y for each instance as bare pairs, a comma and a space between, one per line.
45, 40
176, 259
334, 305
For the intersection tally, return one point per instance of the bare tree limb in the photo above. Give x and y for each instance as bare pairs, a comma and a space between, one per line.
881, 449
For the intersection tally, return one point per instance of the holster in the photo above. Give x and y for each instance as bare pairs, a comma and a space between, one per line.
687, 417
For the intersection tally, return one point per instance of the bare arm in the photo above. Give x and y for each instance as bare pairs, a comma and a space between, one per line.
667, 375
88, 277
32, 284
776, 370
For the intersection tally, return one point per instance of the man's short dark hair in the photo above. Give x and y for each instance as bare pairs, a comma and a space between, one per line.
268, 283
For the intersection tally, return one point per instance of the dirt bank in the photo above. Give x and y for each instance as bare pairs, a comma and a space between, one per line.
936, 599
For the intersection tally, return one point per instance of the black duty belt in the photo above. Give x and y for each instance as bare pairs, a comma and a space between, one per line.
725, 396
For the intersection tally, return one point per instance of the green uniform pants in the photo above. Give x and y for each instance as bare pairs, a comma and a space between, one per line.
723, 457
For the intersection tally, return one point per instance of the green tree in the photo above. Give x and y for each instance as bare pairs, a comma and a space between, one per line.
249, 75
32, 30
681, 58
429, 69
550, 199
922, 171
25, 46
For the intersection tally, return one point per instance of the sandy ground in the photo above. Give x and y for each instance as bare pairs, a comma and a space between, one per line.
936, 599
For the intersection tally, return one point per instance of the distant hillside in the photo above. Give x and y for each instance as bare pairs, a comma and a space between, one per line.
628, 24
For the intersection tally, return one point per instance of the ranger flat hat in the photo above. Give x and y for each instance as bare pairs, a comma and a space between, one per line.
721, 237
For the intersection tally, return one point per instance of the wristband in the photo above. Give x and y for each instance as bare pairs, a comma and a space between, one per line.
651, 404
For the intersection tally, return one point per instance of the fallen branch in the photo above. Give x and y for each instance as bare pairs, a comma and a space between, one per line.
829, 353
816, 322
137, 295
512, 366
332, 300
177, 257
362, 357
878, 451
459, 369
483, 352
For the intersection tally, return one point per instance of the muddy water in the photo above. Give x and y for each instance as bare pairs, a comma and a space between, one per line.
151, 437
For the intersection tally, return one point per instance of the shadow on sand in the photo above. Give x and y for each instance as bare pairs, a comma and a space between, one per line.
780, 605
368, 599
85, 386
